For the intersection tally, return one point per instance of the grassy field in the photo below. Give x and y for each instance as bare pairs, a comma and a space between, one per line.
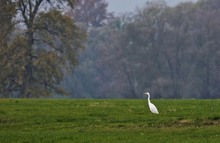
109, 121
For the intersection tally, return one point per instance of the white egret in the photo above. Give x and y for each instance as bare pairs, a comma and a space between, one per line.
152, 107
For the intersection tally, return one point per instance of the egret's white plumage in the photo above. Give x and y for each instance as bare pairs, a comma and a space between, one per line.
152, 107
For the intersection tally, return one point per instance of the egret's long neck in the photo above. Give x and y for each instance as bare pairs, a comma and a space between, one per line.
149, 98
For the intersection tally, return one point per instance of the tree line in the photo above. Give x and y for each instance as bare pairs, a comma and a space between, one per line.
172, 52
77, 47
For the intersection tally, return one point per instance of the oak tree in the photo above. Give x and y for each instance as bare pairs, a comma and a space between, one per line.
45, 46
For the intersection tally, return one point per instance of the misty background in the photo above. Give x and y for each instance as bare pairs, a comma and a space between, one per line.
111, 49
169, 48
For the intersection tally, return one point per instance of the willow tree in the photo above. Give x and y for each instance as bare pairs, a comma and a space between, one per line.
45, 46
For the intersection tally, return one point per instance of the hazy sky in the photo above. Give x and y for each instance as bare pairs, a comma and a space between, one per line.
120, 6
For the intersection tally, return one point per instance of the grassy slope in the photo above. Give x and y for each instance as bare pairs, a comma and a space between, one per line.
109, 121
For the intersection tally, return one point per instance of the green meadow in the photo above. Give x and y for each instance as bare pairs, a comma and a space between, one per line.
108, 121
